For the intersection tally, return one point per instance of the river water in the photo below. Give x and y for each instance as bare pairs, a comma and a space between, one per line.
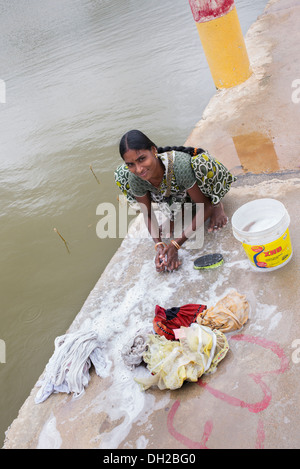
78, 74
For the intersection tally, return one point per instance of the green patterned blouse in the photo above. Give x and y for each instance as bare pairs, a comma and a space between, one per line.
212, 177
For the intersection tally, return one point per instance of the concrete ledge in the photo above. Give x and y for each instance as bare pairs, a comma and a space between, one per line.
256, 378
251, 401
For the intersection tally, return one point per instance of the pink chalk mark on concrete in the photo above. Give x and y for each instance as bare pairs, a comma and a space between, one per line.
183, 439
260, 439
208, 428
252, 407
257, 377
207, 10
255, 408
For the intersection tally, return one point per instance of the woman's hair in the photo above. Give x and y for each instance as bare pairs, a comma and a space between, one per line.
136, 140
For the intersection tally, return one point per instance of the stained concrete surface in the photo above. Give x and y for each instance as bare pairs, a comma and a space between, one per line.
254, 127
252, 399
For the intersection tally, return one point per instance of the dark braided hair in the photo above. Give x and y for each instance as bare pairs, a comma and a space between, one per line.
190, 150
136, 140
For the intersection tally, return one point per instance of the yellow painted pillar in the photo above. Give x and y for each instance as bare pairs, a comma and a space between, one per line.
222, 40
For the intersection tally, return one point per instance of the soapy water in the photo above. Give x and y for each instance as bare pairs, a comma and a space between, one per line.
50, 437
117, 315
261, 224
125, 403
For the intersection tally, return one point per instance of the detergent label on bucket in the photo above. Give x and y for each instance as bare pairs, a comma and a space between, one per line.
270, 255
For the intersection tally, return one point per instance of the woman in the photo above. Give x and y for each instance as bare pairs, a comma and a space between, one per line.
170, 176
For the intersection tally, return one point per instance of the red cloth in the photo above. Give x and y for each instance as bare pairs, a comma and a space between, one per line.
166, 320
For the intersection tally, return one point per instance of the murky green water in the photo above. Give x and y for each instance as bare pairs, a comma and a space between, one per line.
78, 75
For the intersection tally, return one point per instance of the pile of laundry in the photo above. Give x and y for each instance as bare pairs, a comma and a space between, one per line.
188, 342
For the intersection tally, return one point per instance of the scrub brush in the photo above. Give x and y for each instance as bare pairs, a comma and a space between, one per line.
209, 261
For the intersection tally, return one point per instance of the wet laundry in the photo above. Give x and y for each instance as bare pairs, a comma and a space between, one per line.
166, 320
190, 340
229, 314
132, 353
171, 362
68, 368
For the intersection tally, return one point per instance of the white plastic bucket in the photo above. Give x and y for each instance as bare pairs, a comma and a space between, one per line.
262, 226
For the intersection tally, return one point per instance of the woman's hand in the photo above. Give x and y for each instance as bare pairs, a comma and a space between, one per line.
160, 258
167, 258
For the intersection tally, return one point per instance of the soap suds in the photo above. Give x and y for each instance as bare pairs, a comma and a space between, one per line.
119, 310
49, 437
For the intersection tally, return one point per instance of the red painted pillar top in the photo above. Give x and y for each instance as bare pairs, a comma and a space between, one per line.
207, 10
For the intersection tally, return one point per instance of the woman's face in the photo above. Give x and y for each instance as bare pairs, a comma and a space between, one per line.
142, 163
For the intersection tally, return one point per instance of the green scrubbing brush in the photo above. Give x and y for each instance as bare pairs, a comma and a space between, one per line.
209, 261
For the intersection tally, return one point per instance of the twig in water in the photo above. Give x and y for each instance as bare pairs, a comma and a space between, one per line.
66, 244
94, 174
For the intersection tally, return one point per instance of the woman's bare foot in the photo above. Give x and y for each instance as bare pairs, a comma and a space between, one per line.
218, 218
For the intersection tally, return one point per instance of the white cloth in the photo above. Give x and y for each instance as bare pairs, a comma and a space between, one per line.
132, 353
68, 368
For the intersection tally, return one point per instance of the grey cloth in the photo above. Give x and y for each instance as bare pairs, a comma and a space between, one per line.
132, 353
68, 368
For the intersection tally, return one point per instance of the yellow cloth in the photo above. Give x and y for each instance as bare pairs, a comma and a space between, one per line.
229, 314
198, 351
